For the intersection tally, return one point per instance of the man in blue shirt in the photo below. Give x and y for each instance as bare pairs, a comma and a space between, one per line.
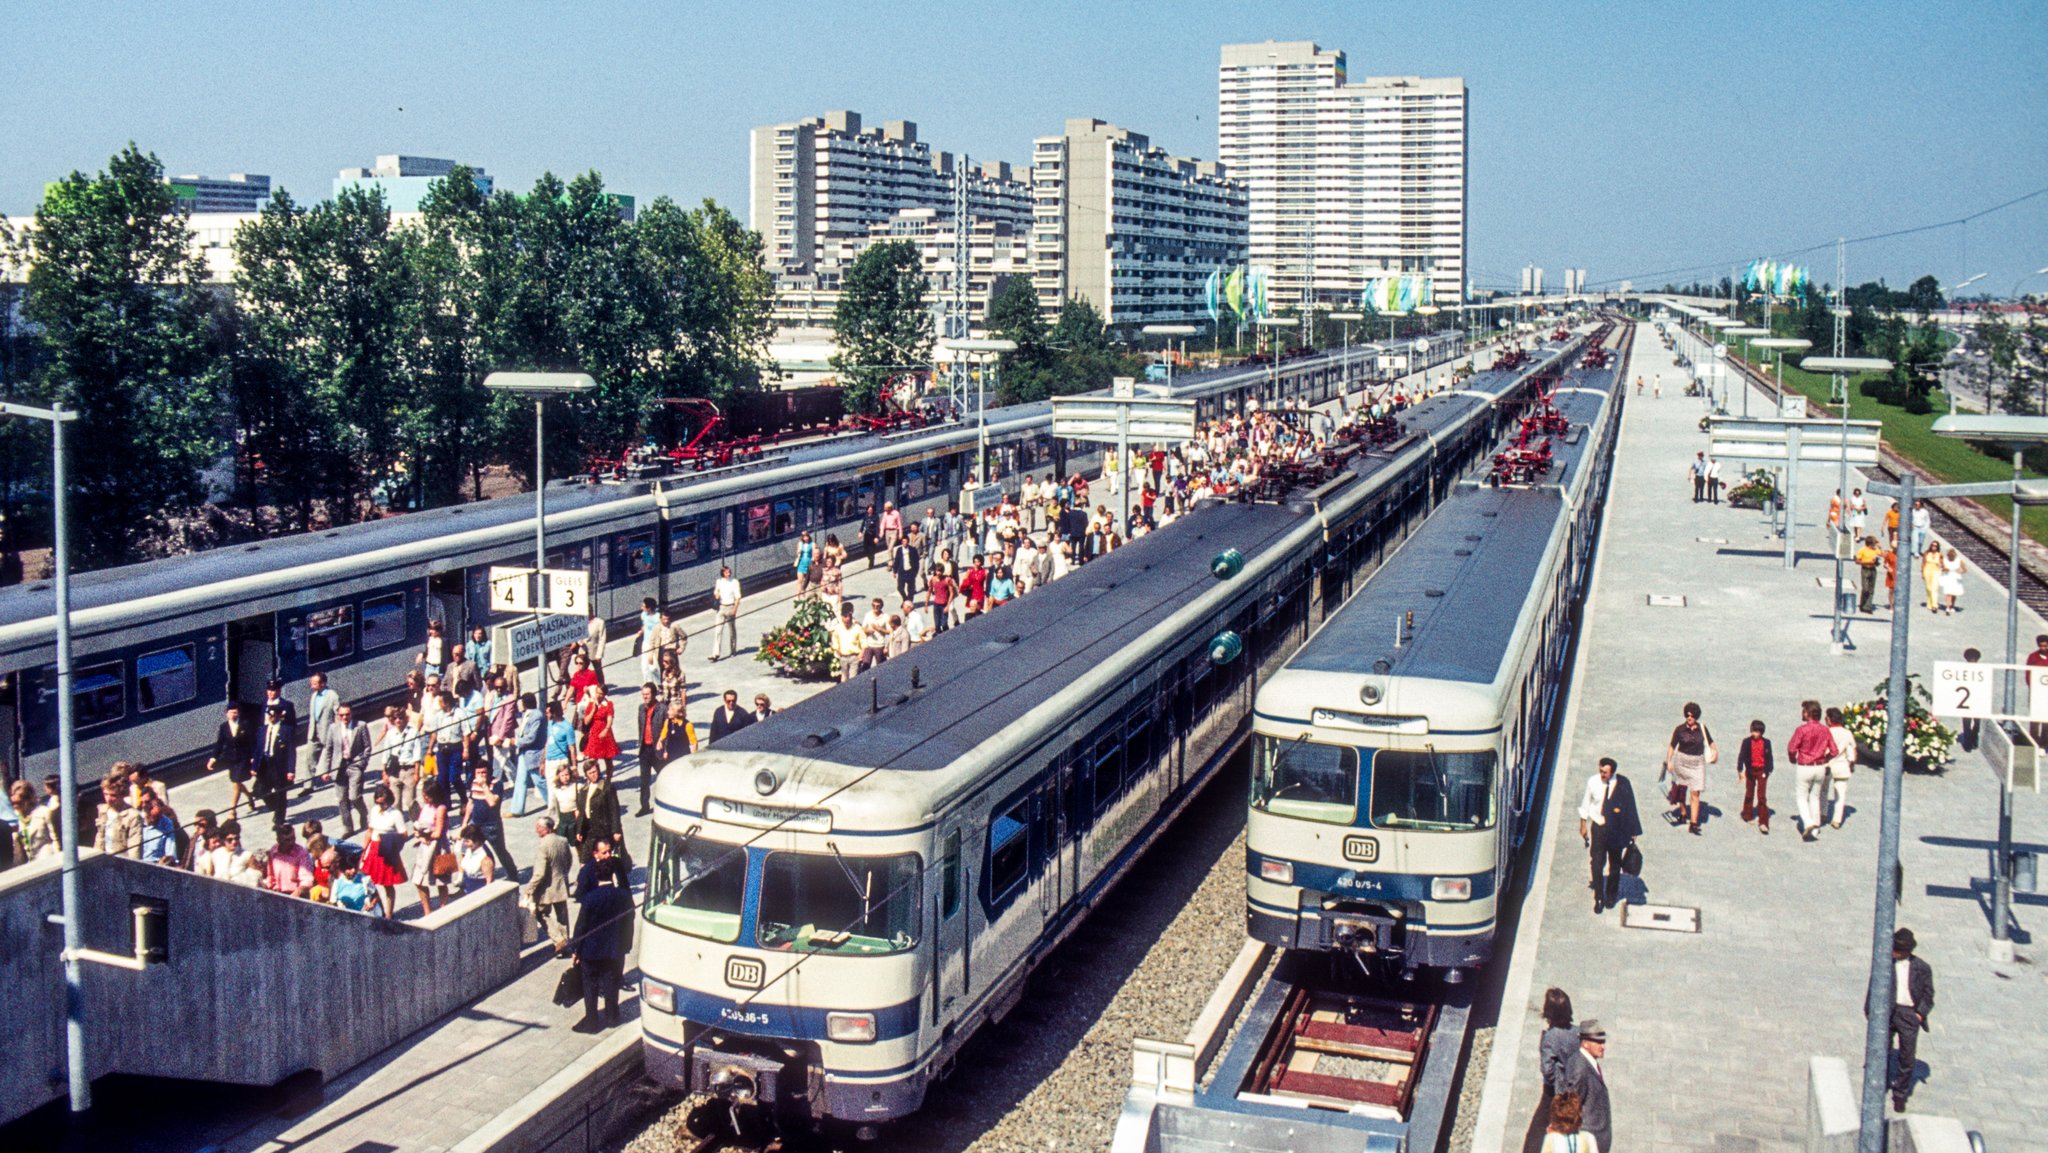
480, 647
561, 738
159, 832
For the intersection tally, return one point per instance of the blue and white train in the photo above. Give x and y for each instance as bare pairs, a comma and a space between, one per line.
1398, 755
159, 647
838, 897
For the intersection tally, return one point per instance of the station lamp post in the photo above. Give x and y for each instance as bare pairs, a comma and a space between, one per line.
1169, 331
1841, 367
1347, 319
540, 386
989, 349
1779, 346
2016, 434
1273, 363
1746, 332
1722, 326
77, 1076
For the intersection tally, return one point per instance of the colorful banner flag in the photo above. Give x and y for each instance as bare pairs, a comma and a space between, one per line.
1397, 295
1212, 293
1233, 292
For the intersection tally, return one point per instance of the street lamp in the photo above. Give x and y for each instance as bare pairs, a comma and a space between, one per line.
76, 1073
1842, 367
1746, 332
2022, 280
1169, 331
1273, 364
540, 386
1346, 318
991, 348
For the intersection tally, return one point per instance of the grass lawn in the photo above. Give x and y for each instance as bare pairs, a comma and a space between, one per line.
1912, 437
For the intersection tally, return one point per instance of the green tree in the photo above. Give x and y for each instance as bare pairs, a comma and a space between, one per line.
1924, 295
327, 310
1024, 375
708, 300
122, 323
881, 323
445, 430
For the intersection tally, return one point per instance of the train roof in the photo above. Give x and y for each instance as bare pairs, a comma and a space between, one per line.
988, 673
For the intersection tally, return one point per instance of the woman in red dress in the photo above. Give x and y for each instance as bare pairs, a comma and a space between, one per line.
598, 743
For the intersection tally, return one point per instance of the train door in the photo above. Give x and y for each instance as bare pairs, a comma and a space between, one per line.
1052, 821
446, 603
10, 729
950, 968
252, 656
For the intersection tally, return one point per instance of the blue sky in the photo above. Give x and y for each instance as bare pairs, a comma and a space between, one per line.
1628, 138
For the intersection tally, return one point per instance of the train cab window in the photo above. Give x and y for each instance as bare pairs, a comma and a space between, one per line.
834, 903
383, 621
1009, 849
1306, 781
682, 544
760, 522
785, 517
949, 876
696, 886
330, 634
1432, 790
167, 677
96, 695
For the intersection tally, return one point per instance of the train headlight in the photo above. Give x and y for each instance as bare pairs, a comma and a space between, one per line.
1278, 872
850, 1027
658, 995
1371, 692
1450, 889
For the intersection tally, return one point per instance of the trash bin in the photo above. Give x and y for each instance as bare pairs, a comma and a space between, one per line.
2026, 873
1848, 605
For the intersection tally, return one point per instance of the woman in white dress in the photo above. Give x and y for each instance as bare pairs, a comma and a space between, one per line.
1839, 769
1951, 580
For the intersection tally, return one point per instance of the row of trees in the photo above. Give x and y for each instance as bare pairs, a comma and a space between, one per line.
344, 365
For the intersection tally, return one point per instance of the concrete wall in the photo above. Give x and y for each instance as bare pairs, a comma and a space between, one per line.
257, 987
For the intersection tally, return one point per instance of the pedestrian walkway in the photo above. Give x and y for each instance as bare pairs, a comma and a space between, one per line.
1710, 1033
441, 1086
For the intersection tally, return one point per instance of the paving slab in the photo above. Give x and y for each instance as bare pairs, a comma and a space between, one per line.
1710, 1033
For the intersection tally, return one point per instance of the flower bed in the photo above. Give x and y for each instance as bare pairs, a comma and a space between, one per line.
1928, 742
802, 647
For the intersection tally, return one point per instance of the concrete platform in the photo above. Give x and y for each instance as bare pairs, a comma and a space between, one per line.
1711, 1032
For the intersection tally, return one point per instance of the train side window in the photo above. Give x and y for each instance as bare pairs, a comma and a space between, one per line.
640, 562
949, 876
682, 544
1009, 843
842, 503
1138, 737
718, 533
785, 517
96, 695
330, 634
383, 621
1108, 771
166, 677
760, 522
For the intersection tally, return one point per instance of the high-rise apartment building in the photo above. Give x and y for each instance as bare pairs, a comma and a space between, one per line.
404, 180
825, 183
240, 192
1349, 180
1127, 227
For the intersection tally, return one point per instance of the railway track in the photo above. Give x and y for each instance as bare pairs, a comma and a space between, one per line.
1981, 537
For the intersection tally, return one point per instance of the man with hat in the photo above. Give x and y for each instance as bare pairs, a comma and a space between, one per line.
1586, 1076
1912, 1000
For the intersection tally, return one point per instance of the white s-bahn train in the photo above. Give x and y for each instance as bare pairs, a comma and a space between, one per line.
1398, 755
839, 896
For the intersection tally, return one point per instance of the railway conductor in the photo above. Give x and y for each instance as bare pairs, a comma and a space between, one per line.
1608, 825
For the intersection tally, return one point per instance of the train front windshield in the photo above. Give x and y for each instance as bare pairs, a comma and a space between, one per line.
696, 886
1449, 792
831, 903
1307, 781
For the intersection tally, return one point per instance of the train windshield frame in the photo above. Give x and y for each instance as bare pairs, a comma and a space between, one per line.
838, 904
696, 886
1433, 790
1306, 780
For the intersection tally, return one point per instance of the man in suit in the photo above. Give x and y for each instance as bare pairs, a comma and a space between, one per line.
343, 755
276, 761
1608, 825
274, 698
1912, 1000
652, 713
1586, 1076
598, 817
906, 561
321, 702
729, 717
548, 891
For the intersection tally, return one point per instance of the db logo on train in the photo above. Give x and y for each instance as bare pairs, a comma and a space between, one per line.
745, 972
1362, 849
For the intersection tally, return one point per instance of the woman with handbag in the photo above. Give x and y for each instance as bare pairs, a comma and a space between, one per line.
1840, 766
1692, 749
435, 865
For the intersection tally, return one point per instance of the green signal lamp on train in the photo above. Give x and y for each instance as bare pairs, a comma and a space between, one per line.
1225, 647
1227, 564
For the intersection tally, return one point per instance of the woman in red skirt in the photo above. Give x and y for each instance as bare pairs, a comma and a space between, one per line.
598, 743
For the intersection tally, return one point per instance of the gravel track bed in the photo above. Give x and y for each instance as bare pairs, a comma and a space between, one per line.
1052, 1076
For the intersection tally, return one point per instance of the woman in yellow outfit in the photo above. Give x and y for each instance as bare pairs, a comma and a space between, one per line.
1930, 575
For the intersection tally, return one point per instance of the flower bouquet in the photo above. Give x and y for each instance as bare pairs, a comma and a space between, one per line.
802, 647
1928, 741
1755, 489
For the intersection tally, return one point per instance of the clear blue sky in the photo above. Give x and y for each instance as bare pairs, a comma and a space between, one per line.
1628, 138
